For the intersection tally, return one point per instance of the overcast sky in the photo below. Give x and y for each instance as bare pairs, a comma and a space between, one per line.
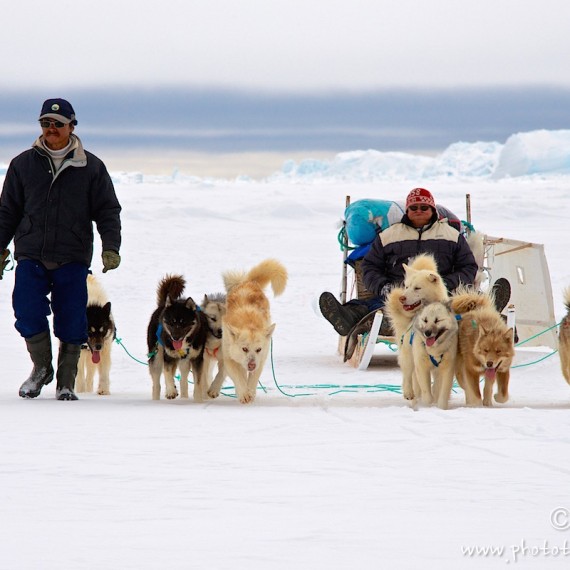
284, 45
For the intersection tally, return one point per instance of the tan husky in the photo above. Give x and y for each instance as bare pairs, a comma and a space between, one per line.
486, 348
247, 326
564, 338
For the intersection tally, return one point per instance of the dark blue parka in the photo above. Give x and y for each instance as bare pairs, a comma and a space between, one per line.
50, 217
383, 264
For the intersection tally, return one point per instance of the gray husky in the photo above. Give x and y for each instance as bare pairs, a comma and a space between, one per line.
434, 350
214, 307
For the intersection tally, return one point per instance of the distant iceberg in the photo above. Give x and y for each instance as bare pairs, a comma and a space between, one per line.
535, 152
524, 154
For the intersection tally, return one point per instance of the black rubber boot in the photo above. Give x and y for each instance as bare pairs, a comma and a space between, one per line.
341, 317
39, 347
501, 292
67, 370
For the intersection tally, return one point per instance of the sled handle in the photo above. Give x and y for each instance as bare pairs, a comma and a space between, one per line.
468, 207
344, 257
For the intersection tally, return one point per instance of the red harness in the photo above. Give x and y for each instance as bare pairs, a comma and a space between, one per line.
214, 353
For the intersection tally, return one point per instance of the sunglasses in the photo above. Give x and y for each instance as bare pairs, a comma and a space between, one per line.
45, 124
423, 208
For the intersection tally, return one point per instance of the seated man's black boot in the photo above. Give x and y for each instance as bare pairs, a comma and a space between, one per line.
341, 317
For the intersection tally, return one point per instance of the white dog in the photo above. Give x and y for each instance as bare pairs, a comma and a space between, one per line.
422, 285
434, 349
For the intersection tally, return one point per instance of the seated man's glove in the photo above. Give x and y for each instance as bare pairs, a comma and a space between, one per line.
4, 260
111, 260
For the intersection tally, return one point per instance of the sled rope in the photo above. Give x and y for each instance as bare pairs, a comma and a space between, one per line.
539, 334
338, 388
119, 341
343, 239
535, 336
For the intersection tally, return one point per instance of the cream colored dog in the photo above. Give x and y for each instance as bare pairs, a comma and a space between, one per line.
247, 326
422, 285
434, 348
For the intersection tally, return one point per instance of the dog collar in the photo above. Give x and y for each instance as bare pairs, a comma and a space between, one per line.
212, 353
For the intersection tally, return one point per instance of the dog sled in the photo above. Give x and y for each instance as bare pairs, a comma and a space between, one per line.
522, 264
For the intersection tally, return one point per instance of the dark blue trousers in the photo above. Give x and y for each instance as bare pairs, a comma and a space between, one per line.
372, 304
67, 286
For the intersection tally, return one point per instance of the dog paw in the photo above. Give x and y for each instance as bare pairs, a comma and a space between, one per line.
427, 399
213, 393
408, 394
102, 392
171, 395
247, 398
501, 398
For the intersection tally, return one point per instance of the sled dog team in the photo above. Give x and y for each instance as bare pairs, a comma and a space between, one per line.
440, 337
231, 330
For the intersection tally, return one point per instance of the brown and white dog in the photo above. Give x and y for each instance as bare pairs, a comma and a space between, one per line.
247, 326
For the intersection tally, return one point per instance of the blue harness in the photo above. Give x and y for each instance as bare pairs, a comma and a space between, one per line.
431, 358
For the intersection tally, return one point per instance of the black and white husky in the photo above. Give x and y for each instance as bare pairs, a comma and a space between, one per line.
96, 354
176, 336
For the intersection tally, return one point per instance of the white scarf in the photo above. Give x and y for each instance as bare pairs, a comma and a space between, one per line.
57, 156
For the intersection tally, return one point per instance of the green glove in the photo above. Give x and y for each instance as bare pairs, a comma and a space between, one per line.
4, 255
111, 260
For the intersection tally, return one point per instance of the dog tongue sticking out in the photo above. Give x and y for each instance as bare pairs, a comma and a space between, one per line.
96, 356
431, 340
177, 344
490, 373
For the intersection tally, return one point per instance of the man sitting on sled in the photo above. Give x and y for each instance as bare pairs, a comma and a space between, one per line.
419, 231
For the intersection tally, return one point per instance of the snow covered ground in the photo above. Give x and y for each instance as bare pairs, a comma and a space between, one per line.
330, 471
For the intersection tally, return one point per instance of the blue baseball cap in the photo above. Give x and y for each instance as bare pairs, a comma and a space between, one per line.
58, 109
